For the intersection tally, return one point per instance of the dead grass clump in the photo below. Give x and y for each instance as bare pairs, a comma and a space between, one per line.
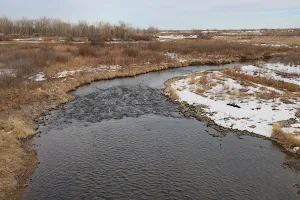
199, 91
286, 100
287, 139
243, 90
192, 79
20, 128
268, 95
172, 93
277, 132
204, 80
298, 113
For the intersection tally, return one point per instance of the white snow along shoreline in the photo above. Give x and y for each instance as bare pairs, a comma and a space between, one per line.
254, 115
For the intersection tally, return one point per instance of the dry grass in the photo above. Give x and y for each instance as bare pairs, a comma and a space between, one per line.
268, 95
204, 80
288, 140
173, 94
298, 113
28, 62
192, 79
262, 80
87, 50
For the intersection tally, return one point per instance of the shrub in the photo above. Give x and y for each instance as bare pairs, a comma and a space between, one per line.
131, 51
86, 50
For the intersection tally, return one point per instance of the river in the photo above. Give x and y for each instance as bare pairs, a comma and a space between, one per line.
123, 139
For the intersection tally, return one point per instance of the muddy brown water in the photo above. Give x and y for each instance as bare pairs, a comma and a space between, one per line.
123, 139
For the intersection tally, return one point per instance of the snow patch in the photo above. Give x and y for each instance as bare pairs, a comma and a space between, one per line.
41, 76
176, 37
104, 68
254, 115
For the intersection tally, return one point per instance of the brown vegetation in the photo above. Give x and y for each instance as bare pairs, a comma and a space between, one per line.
173, 94
192, 79
262, 80
51, 28
288, 140
23, 100
204, 79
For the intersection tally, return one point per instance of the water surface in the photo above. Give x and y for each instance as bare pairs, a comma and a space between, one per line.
123, 139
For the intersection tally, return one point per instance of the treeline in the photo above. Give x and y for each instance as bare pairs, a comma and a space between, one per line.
48, 27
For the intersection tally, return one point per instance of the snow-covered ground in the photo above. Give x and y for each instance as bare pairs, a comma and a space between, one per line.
276, 71
274, 45
175, 57
41, 76
236, 105
176, 37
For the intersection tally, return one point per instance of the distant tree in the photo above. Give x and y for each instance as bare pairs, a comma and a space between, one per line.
44, 26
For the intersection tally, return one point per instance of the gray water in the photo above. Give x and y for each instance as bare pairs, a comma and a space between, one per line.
123, 139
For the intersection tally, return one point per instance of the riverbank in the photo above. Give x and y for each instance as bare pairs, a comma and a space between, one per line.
39, 86
255, 100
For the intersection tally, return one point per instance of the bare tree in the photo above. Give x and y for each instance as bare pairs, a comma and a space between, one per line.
45, 27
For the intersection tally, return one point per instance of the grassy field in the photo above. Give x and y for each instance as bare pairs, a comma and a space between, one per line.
35, 77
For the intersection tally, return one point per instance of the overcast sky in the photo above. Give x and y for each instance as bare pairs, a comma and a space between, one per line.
165, 14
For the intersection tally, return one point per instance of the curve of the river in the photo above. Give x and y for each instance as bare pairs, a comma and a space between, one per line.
123, 139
